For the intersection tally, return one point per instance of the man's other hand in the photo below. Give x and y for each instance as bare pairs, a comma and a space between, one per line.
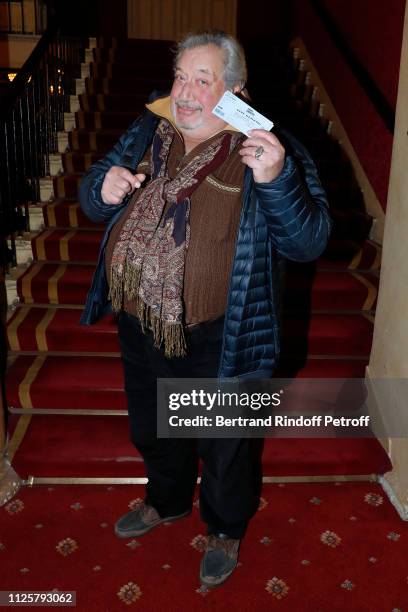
269, 160
118, 183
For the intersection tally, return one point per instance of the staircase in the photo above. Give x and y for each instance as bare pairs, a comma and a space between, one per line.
65, 384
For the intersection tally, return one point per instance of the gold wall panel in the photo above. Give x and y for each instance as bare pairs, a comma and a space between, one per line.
172, 19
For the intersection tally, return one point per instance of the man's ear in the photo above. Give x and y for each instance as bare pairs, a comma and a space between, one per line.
236, 89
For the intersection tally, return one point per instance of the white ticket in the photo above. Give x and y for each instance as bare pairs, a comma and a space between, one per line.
240, 115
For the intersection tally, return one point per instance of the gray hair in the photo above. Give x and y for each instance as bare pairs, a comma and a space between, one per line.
235, 71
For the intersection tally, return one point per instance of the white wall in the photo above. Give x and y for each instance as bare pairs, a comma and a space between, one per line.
389, 356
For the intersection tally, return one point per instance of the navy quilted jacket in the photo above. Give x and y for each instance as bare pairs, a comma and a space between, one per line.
287, 218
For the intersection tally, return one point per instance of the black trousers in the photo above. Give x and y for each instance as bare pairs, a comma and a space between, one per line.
230, 475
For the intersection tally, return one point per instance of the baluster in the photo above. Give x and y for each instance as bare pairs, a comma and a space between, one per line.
17, 178
33, 120
8, 218
28, 143
51, 97
45, 105
9, 15
13, 161
314, 102
308, 88
295, 58
22, 16
36, 17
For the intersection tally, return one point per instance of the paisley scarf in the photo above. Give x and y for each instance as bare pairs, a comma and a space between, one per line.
149, 256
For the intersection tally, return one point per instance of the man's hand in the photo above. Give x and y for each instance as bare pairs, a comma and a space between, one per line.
268, 165
118, 183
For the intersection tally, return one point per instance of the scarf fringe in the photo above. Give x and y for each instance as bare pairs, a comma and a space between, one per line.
123, 284
172, 335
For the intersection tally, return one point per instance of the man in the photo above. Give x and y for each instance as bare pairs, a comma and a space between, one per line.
189, 262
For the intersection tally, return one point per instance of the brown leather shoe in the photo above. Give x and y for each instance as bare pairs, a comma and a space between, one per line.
220, 559
140, 521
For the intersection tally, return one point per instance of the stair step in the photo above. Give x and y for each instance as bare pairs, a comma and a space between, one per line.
67, 245
74, 382
81, 382
324, 456
328, 290
67, 185
107, 69
83, 244
59, 329
90, 140
125, 83
45, 283
113, 102
98, 446
105, 120
327, 334
125, 54
78, 162
68, 446
351, 254
66, 213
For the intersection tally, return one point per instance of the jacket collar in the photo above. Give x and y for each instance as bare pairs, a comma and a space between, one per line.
161, 107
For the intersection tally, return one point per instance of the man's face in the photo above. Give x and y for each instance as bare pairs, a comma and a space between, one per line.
198, 85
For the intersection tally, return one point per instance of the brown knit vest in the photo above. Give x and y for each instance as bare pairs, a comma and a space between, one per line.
214, 219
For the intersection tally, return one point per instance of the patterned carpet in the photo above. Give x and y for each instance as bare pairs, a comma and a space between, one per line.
310, 548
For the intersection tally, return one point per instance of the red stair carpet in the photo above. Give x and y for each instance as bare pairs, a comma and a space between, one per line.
310, 547
68, 379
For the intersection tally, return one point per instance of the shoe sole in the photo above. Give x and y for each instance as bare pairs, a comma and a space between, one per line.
139, 532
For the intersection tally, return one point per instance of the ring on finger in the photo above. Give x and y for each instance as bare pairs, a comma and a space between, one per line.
258, 152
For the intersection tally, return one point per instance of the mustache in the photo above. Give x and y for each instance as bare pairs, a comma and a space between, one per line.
188, 105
